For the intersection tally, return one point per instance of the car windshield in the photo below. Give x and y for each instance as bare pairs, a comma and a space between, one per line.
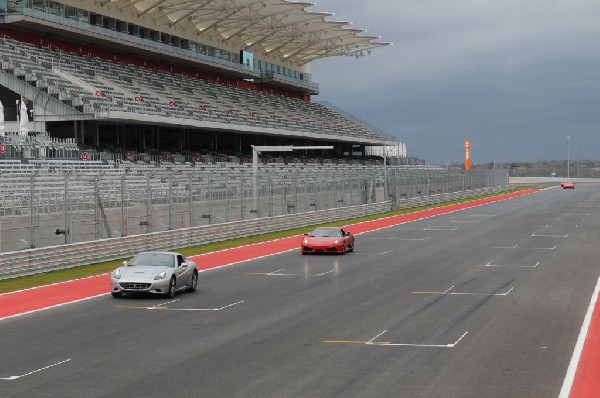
154, 259
326, 232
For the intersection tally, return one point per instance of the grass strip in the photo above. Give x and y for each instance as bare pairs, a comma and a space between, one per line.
26, 282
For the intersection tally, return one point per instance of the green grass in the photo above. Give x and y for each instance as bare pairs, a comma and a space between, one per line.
10, 285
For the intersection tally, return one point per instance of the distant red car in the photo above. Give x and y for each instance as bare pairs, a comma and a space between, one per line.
568, 185
327, 240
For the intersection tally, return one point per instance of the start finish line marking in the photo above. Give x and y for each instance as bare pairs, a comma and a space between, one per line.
372, 342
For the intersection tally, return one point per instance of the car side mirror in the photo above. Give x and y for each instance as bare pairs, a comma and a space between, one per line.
183, 265
125, 263
305, 234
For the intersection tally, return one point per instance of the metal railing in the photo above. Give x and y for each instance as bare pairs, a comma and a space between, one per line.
102, 201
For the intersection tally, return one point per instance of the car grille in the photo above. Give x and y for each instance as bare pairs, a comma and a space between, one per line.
135, 285
331, 249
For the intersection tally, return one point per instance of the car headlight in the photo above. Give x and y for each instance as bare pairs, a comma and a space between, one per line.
162, 275
335, 242
305, 241
117, 274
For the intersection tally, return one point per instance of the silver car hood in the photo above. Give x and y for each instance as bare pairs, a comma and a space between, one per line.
140, 273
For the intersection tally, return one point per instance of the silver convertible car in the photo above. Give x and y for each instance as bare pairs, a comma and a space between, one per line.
155, 272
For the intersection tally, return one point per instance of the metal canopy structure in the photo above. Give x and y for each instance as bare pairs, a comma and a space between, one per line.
278, 28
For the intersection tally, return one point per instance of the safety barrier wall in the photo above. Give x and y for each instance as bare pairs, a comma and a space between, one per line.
35, 261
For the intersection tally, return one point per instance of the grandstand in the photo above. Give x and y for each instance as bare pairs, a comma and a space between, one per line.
183, 78
126, 117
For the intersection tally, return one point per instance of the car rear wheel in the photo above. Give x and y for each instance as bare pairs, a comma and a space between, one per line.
172, 287
194, 283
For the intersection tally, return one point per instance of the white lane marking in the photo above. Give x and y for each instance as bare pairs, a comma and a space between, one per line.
570, 376
375, 338
207, 309
550, 236
541, 248
276, 272
448, 290
511, 265
168, 302
448, 293
324, 273
573, 214
34, 371
451, 345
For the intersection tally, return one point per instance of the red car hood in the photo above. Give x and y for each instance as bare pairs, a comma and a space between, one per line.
322, 240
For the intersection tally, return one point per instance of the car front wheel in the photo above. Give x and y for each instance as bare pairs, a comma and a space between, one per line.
194, 283
116, 294
172, 287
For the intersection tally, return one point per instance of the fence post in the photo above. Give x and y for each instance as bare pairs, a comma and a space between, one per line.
395, 194
149, 220
123, 201
65, 206
191, 203
96, 207
241, 197
270, 193
31, 207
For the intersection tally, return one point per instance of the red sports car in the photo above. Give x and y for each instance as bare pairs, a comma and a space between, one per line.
327, 240
568, 185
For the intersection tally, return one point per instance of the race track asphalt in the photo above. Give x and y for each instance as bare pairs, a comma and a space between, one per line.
483, 302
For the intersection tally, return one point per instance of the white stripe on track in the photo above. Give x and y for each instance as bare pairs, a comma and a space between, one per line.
570, 377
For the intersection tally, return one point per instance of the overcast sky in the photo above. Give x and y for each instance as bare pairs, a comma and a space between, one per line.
516, 77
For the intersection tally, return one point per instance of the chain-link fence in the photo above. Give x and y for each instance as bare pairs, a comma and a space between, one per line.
47, 208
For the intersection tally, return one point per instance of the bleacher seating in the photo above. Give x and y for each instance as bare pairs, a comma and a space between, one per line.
98, 87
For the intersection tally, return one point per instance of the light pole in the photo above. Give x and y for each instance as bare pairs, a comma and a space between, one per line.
568, 157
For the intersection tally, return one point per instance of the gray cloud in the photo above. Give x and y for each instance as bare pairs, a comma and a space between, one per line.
515, 77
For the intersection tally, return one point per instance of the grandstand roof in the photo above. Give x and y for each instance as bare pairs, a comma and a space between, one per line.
274, 27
